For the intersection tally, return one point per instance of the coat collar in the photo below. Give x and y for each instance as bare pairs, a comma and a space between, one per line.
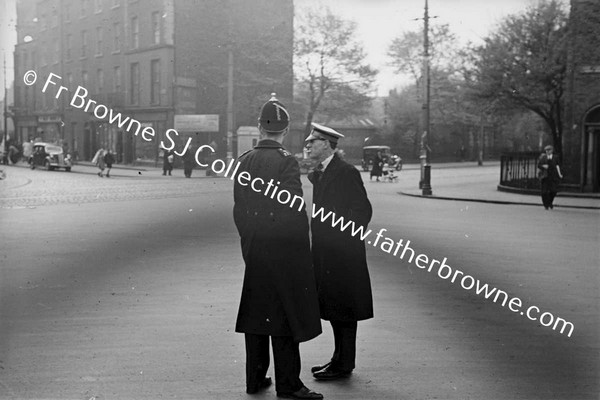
330, 173
268, 144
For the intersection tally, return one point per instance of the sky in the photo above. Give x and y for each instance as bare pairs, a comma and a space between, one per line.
379, 22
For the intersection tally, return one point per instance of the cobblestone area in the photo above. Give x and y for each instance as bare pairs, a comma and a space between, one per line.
32, 188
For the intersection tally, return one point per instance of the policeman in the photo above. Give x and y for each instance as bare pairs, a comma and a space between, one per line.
279, 298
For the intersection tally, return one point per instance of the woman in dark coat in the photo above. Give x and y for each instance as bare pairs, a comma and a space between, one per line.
377, 169
550, 176
188, 162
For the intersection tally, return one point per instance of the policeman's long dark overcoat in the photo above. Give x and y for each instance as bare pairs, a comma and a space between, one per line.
279, 291
340, 261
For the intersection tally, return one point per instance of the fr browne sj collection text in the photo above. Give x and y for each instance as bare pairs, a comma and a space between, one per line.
80, 100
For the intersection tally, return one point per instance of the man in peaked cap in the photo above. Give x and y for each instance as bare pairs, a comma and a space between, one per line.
279, 296
339, 258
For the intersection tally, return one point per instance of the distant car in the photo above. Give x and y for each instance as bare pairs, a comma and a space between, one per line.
49, 156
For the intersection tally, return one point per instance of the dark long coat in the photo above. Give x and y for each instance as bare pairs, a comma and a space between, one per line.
550, 183
340, 260
377, 169
279, 295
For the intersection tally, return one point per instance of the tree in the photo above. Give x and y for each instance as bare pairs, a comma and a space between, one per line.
523, 64
330, 65
406, 51
448, 105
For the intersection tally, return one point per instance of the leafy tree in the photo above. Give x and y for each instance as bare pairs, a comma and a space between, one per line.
330, 67
406, 52
448, 105
523, 64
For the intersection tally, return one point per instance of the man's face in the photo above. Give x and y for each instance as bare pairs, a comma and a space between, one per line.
317, 149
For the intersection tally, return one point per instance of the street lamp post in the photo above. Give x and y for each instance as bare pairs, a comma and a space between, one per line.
5, 149
229, 103
425, 183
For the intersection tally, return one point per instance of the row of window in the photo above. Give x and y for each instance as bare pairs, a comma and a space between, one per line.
134, 84
84, 6
84, 51
134, 37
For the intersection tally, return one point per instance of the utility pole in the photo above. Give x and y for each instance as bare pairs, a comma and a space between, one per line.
425, 183
230, 103
5, 150
230, 83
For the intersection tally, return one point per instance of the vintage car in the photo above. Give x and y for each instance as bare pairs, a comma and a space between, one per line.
49, 156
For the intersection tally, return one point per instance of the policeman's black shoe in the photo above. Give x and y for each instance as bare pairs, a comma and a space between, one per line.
317, 368
303, 394
265, 383
331, 374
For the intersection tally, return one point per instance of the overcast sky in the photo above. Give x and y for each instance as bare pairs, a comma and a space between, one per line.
379, 21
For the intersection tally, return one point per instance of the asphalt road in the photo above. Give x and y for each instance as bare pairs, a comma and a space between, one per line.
127, 288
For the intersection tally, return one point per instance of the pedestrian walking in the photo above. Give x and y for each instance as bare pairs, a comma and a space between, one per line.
550, 175
98, 160
279, 295
377, 169
188, 162
109, 160
167, 162
339, 258
27, 150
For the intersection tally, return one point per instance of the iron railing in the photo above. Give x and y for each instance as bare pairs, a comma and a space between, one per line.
519, 170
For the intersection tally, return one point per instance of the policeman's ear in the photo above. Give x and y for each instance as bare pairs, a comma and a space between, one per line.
261, 132
285, 132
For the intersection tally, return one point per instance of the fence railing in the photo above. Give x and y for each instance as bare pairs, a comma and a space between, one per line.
519, 170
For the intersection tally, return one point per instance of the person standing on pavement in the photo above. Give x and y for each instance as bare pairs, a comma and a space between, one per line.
188, 162
109, 160
339, 259
279, 296
168, 159
377, 169
550, 176
98, 160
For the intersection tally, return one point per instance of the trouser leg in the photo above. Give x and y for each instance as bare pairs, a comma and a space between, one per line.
551, 197
344, 336
257, 359
286, 354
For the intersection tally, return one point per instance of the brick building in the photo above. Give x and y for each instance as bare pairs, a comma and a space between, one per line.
581, 141
203, 67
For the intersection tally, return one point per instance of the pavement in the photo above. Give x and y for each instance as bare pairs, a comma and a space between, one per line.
483, 187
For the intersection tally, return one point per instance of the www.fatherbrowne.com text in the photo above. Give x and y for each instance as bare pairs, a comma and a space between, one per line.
397, 248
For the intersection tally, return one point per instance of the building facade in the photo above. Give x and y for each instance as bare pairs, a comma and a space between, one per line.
581, 142
200, 67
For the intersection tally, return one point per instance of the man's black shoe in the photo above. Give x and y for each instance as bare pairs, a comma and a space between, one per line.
331, 374
304, 393
317, 368
262, 385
